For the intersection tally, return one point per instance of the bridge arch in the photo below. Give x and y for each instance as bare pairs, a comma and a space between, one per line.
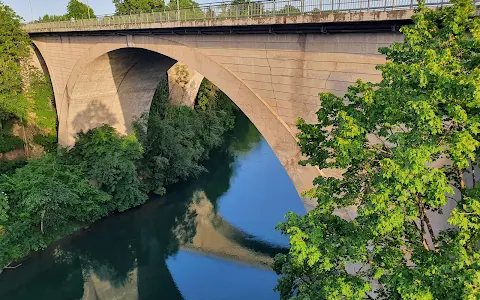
276, 132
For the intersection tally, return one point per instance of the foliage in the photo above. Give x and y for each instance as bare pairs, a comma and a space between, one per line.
9, 142
14, 45
206, 91
7, 167
54, 195
49, 142
183, 4
41, 93
42, 113
179, 138
405, 146
241, 8
75, 10
53, 18
289, 9
108, 161
137, 6
47, 199
79, 10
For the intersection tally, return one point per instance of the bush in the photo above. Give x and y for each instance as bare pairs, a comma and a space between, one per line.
179, 138
108, 161
49, 142
9, 142
48, 198
41, 94
8, 167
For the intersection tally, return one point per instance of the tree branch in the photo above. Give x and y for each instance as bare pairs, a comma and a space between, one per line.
41, 222
424, 241
8, 266
462, 181
473, 173
430, 229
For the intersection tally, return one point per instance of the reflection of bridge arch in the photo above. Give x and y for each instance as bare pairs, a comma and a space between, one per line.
216, 236
213, 236
113, 82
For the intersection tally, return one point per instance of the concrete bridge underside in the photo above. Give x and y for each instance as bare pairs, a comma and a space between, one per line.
273, 78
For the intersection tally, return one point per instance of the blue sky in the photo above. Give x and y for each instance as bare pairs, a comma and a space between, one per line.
59, 7
54, 7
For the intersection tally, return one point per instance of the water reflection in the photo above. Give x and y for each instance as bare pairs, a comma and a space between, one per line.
174, 247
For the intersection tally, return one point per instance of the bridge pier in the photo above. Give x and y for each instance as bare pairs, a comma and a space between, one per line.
183, 85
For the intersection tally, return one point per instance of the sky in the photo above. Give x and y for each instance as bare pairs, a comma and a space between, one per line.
54, 7
59, 7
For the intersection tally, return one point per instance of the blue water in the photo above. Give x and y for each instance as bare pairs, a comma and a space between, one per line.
260, 194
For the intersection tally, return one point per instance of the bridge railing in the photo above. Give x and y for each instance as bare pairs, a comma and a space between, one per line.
226, 10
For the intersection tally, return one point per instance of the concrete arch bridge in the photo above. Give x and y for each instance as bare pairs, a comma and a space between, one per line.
272, 67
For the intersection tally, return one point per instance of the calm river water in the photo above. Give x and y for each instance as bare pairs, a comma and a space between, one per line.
209, 238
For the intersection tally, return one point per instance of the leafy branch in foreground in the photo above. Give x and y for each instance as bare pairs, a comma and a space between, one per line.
407, 146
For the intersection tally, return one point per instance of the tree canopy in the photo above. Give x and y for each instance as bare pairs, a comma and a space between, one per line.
79, 10
182, 4
55, 194
179, 138
407, 146
14, 45
137, 6
108, 161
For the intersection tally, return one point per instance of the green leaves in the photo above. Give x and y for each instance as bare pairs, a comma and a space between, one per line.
108, 161
14, 46
137, 6
405, 147
179, 138
79, 10
46, 198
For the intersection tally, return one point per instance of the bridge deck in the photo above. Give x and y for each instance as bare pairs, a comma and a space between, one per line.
318, 23
266, 12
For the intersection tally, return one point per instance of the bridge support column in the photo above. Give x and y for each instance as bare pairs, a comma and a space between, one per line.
183, 85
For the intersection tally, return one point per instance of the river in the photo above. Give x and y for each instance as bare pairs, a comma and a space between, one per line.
209, 238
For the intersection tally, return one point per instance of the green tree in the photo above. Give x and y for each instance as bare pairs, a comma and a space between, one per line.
179, 138
242, 8
44, 201
190, 9
79, 10
14, 46
390, 140
4, 208
108, 161
289, 9
53, 18
182, 4
137, 6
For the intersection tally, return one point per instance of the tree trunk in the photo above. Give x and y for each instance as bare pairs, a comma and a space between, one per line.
41, 222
